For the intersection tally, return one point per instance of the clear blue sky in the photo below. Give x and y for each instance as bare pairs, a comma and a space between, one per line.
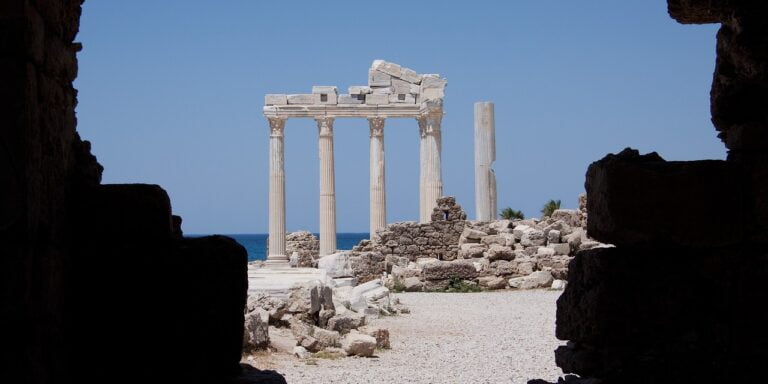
170, 92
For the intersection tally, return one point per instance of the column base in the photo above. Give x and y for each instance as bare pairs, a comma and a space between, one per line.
277, 262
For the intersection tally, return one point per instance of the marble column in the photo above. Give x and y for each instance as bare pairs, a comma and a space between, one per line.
378, 203
430, 174
327, 187
276, 256
485, 155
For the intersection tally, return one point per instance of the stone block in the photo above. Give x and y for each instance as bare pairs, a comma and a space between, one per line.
359, 90
304, 99
382, 90
560, 248
374, 99
349, 99
410, 76
648, 313
275, 99
401, 86
325, 89
443, 270
402, 98
378, 79
391, 69
635, 199
414, 89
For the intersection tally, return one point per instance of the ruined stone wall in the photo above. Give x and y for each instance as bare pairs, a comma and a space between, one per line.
678, 299
438, 238
92, 276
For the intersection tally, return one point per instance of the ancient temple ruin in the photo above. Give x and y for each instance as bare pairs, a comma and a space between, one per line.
392, 92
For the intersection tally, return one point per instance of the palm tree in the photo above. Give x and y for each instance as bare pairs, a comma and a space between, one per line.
550, 207
508, 214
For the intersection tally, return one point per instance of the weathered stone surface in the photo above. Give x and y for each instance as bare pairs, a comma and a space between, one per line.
380, 334
358, 344
275, 99
336, 264
326, 338
306, 98
533, 237
377, 99
359, 90
499, 252
471, 250
378, 79
641, 200
412, 284
618, 307
492, 282
350, 99
343, 323
538, 279
256, 334
449, 269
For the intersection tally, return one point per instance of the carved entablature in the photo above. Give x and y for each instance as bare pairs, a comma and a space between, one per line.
392, 91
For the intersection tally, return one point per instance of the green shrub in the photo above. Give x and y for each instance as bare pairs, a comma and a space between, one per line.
509, 214
550, 207
459, 285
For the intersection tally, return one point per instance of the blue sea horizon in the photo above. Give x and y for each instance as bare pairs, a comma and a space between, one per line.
256, 243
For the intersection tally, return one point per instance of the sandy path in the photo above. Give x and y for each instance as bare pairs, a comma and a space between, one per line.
488, 337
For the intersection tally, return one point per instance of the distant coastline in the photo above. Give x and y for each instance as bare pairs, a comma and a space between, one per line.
256, 243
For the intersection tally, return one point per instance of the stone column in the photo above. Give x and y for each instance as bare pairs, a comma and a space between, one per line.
378, 189
430, 175
327, 188
485, 155
276, 256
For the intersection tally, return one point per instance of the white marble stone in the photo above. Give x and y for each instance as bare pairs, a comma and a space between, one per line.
350, 99
327, 187
377, 99
430, 174
403, 98
378, 200
485, 155
275, 99
327, 89
391, 69
304, 98
401, 86
276, 256
382, 90
378, 79
410, 76
359, 90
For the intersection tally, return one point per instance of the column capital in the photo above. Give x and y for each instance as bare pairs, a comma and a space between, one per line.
376, 124
429, 122
276, 126
325, 126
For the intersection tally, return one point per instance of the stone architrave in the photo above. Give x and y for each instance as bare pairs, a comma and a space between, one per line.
327, 187
430, 173
276, 256
485, 155
378, 219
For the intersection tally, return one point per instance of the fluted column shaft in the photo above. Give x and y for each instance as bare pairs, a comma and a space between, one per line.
327, 188
485, 155
378, 203
431, 176
276, 256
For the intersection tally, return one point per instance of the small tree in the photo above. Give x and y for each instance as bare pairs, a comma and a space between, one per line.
508, 214
550, 207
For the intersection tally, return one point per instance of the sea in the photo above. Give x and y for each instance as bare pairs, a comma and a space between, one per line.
256, 244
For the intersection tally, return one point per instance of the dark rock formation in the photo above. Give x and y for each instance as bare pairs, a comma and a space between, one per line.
96, 282
643, 200
679, 299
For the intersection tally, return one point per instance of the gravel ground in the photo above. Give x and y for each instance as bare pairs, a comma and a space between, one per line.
487, 337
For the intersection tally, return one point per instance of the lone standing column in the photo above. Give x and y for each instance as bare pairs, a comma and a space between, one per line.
485, 155
327, 188
276, 257
378, 189
431, 176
